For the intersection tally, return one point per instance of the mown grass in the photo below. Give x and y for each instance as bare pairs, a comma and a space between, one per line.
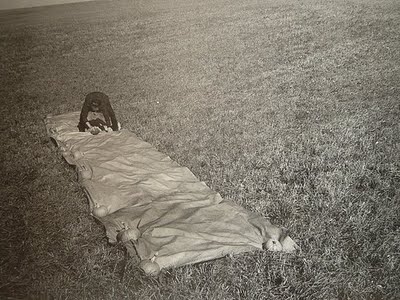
290, 109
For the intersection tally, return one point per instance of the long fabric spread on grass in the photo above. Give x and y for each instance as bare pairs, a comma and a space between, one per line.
180, 219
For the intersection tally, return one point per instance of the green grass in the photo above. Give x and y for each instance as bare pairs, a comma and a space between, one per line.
288, 108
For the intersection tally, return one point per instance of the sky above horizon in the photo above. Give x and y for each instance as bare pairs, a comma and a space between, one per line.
12, 4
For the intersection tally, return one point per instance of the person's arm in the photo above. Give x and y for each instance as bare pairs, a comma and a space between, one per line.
114, 122
110, 117
83, 119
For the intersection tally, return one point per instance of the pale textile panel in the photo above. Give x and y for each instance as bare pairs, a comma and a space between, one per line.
180, 219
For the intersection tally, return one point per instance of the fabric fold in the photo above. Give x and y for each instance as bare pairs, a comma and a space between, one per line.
178, 219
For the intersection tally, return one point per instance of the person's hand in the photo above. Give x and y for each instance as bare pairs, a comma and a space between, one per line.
94, 130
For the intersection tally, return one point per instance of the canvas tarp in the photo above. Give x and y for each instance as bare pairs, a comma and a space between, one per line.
180, 219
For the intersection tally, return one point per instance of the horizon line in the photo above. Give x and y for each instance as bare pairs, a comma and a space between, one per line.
21, 4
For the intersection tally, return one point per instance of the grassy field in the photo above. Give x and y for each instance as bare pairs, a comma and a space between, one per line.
288, 108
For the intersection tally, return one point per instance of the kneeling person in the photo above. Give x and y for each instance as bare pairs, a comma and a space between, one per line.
97, 114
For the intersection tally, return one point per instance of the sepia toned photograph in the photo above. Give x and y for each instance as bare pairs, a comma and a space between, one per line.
198, 149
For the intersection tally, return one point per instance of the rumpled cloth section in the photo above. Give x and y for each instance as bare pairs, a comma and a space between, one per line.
180, 219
